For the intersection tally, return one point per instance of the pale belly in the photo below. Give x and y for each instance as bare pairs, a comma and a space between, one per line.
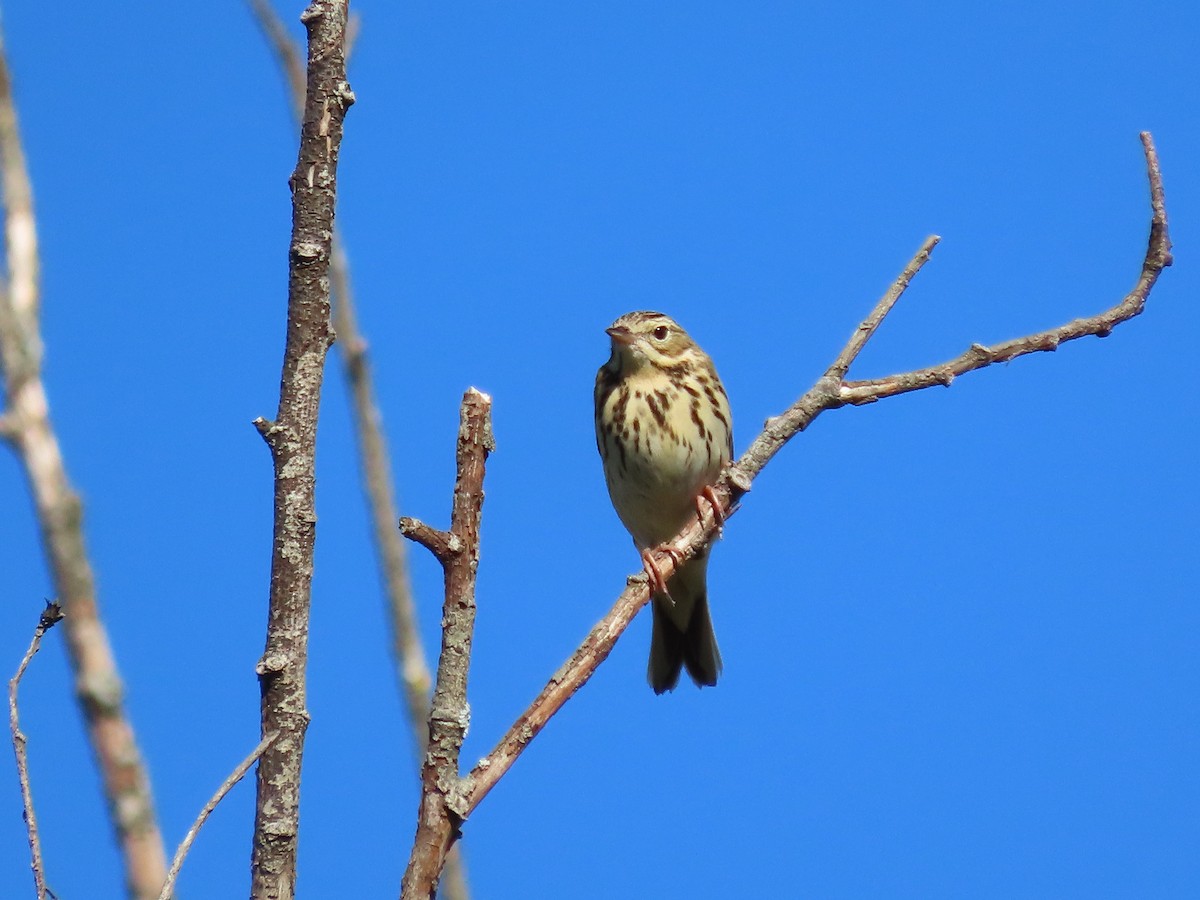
656, 471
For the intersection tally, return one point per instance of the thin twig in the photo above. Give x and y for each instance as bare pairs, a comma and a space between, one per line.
867, 328
441, 809
292, 441
29, 430
830, 392
185, 846
51, 616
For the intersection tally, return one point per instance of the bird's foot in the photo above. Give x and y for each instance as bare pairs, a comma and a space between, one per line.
708, 497
658, 584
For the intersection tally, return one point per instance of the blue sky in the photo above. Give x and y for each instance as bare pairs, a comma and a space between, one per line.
960, 627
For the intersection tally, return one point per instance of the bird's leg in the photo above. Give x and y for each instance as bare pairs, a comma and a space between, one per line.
658, 584
708, 494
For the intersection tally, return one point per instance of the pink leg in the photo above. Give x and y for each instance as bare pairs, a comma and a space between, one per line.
714, 504
658, 584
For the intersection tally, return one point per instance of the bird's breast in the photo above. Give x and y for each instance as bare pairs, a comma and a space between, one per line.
660, 450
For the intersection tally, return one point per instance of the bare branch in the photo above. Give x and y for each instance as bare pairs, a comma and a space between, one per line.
447, 802
28, 429
830, 392
50, 617
441, 808
978, 356
867, 328
292, 440
185, 846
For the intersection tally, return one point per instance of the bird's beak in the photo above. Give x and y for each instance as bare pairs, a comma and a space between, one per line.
620, 335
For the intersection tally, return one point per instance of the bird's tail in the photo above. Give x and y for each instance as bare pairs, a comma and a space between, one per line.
693, 646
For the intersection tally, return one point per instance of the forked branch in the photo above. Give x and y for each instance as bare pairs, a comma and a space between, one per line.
441, 808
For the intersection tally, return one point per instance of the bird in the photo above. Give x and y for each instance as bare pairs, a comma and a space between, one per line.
665, 433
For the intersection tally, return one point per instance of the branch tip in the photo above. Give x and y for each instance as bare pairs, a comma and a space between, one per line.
442, 544
51, 615
443, 802
1158, 254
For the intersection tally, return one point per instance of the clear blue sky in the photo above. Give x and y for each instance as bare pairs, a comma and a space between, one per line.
961, 629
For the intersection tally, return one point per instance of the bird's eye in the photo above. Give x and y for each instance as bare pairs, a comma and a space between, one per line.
660, 333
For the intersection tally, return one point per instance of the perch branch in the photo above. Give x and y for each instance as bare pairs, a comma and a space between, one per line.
185, 845
29, 430
830, 392
292, 441
441, 810
50, 617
